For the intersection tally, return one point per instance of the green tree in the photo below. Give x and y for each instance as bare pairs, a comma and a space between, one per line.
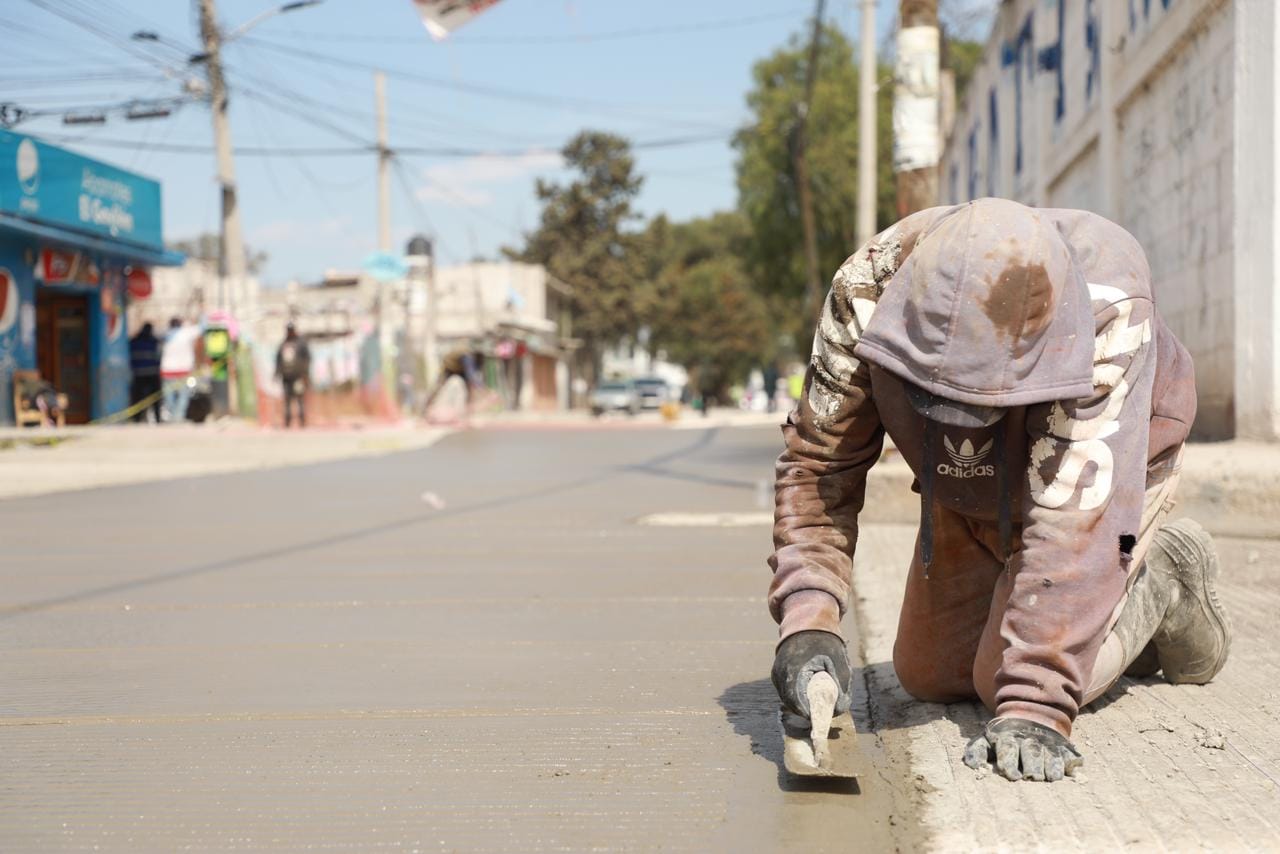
206, 247
767, 194
706, 312
587, 238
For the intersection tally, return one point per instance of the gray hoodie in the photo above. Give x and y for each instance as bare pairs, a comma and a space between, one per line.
1045, 312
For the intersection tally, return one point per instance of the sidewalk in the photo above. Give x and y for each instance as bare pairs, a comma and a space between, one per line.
89, 457
1166, 767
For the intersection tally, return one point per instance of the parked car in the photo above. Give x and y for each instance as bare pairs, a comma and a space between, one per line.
653, 392
615, 396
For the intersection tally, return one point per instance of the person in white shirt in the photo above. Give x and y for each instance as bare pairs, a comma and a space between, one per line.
177, 363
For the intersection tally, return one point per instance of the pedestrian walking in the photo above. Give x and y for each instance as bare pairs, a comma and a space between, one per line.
144, 362
1018, 362
293, 369
178, 359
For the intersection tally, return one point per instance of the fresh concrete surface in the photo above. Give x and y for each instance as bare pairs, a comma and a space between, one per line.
321, 657
315, 657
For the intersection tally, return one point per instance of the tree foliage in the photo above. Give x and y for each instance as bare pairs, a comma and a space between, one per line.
767, 194
707, 314
586, 237
720, 294
207, 247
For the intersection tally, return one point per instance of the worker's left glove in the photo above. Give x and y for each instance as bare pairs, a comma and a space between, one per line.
799, 657
1023, 750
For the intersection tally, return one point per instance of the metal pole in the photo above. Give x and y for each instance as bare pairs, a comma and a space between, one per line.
866, 223
812, 285
430, 357
231, 261
384, 164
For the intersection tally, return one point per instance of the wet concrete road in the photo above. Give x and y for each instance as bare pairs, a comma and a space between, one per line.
325, 657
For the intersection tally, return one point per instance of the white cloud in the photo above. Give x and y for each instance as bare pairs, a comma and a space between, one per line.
464, 183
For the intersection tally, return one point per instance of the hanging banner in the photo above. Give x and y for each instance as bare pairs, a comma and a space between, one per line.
917, 144
442, 17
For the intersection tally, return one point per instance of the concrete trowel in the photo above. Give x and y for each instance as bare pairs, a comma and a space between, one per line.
822, 745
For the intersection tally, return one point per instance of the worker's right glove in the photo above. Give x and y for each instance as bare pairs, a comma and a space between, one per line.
799, 657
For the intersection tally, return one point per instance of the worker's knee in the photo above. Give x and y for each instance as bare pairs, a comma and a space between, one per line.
929, 679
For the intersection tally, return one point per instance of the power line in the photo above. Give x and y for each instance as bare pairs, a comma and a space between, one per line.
44, 81
365, 148
496, 92
104, 34
583, 38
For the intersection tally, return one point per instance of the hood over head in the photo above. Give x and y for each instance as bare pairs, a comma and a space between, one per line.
989, 309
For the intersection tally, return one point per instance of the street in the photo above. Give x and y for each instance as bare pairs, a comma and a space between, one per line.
488, 645
318, 657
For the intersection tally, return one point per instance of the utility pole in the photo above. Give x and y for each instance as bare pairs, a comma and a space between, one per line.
231, 261
813, 284
384, 164
916, 141
867, 169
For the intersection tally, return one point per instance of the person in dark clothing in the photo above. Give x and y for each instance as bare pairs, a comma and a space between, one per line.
461, 363
293, 369
144, 360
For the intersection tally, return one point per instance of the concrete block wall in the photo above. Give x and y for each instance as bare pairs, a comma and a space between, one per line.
1175, 142
1126, 108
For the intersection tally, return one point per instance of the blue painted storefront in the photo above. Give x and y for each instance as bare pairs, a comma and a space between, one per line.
70, 225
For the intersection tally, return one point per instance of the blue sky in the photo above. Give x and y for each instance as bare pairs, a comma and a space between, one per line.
508, 88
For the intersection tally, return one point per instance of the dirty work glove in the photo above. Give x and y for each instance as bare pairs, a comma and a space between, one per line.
799, 657
1023, 750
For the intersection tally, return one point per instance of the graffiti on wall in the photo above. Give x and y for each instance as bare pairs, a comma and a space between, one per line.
1061, 62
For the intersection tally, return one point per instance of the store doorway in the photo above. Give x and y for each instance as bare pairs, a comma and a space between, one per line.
62, 350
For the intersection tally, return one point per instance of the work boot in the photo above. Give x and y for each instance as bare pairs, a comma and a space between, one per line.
1173, 609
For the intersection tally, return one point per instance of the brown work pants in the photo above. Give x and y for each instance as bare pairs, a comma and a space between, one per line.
949, 646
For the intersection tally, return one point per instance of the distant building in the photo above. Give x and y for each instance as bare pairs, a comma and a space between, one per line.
191, 290
508, 311
79, 240
1161, 116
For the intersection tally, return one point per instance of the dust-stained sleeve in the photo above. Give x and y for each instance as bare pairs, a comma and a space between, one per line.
833, 437
1082, 514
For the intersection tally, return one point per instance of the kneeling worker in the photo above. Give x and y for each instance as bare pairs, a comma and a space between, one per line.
1016, 359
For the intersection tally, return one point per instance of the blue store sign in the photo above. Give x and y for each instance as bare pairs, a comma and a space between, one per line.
49, 184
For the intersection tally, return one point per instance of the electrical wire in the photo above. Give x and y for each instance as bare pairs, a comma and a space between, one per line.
92, 26
483, 90
583, 38
365, 149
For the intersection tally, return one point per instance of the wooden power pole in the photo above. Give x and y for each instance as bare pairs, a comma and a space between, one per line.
384, 163
804, 192
916, 139
231, 259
